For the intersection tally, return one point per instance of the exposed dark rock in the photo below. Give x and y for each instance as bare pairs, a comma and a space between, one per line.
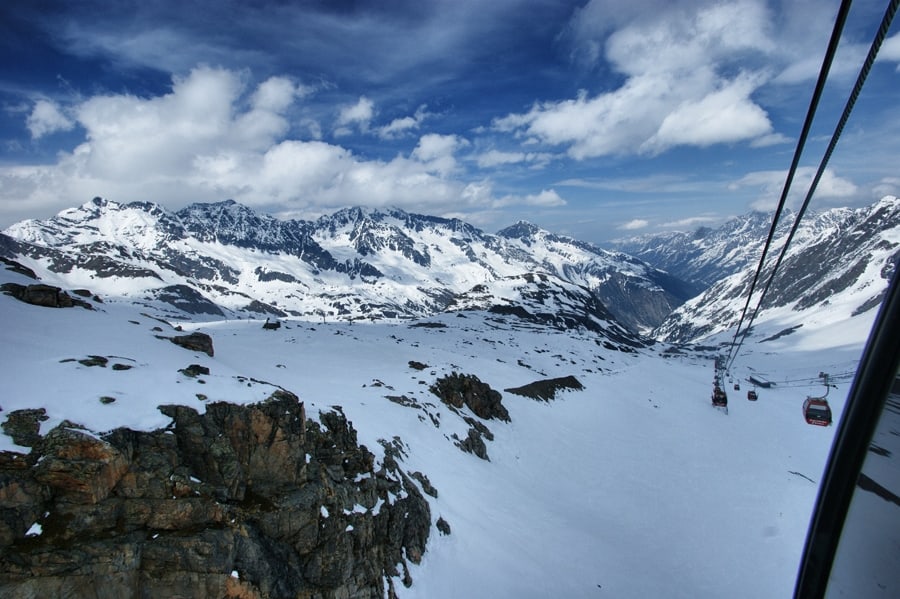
782, 333
426, 484
479, 427
42, 295
94, 361
194, 370
273, 275
460, 390
17, 267
263, 308
105, 399
119, 366
474, 444
546, 389
417, 365
510, 311
443, 526
24, 425
403, 400
186, 299
195, 342
221, 504
872, 302
428, 325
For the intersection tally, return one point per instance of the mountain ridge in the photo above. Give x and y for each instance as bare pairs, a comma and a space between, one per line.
841, 259
355, 263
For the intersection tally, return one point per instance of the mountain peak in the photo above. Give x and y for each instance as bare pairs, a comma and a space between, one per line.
521, 230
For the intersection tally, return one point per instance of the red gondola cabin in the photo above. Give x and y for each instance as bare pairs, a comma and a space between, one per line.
751, 395
817, 411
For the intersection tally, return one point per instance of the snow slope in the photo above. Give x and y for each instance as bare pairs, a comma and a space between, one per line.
632, 487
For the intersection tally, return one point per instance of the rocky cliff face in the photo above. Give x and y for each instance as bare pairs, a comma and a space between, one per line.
242, 501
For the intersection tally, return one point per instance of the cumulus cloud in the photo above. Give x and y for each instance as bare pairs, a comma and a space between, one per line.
46, 118
771, 183
403, 125
634, 224
723, 115
359, 115
437, 152
213, 136
682, 85
546, 198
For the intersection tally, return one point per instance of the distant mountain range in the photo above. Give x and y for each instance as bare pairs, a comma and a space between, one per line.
225, 260
838, 266
706, 255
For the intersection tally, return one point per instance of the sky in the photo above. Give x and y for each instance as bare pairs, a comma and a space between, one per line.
598, 119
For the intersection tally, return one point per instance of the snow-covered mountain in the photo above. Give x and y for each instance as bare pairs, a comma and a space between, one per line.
837, 268
706, 255
224, 259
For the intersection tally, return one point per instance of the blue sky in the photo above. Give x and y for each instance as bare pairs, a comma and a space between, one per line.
597, 119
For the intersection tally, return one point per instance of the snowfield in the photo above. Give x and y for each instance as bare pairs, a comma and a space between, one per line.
633, 487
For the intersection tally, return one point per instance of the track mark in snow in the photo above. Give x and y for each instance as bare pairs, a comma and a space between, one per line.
802, 476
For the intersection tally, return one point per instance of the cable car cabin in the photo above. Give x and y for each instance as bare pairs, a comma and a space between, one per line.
751, 395
719, 398
737, 386
816, 411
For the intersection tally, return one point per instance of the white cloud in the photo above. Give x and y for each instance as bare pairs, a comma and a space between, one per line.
634, 224
403, 125
480, 194
493, 158
437, 152
546, 198
724, 115
276, 94
682, 83
771, 184
46, 118
691, 222
213, 136
496, 158
890, 49
359, 114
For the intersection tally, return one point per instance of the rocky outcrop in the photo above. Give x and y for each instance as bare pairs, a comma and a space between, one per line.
242, 501
23, 426
13, 265
39, 294
195, 342
545, 390
458, 390
466, 390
